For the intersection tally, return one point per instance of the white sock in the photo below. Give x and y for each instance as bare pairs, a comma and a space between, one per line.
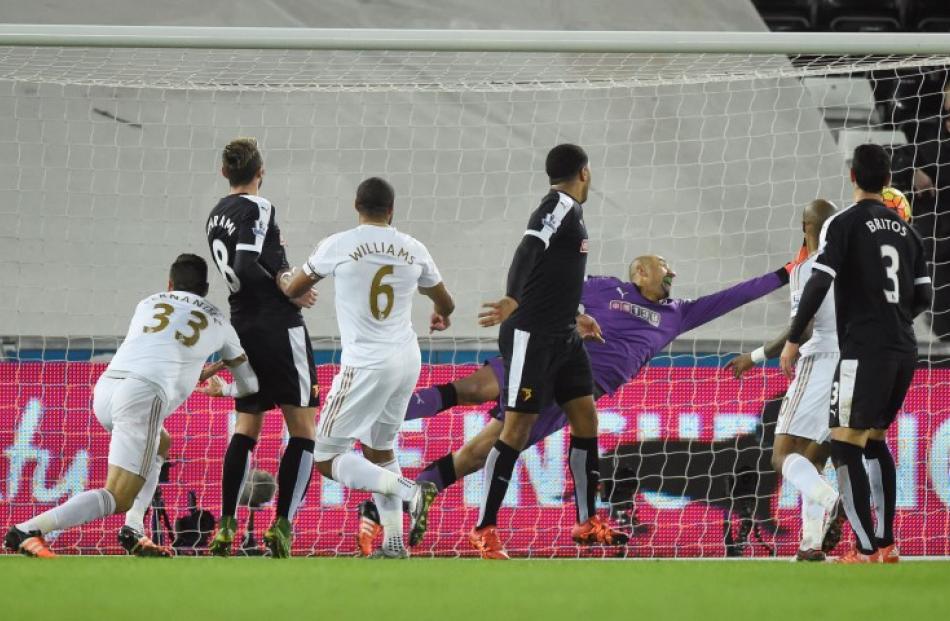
84, 507
358, 472
135, 517
813, 518
877, 496
802, 474
390, 509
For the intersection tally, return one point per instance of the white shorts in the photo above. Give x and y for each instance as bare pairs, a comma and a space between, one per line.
132, 411
368, 405
807, 405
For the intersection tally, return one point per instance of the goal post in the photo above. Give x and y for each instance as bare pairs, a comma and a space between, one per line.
705, 147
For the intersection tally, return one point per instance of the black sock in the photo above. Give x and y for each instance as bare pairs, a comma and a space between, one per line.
877, 451
450, 396
584, 461
498, 470
293, 477
855, 493
236, 461
441, 472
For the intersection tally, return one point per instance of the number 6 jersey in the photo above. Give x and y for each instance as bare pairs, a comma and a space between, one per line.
377, 270
877, 261
170, 337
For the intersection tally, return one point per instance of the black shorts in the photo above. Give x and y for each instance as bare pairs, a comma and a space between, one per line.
869, 390
542, 368
283, 361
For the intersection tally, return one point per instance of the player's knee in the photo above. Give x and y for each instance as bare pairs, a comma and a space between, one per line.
123, 497
249, 425
778, 458
376, 456
325, 468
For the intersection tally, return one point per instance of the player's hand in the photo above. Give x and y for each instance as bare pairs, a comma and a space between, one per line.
740, 364
789, 358
212, 387
210, 370
589, 329
438, 323
496, 312
307, 300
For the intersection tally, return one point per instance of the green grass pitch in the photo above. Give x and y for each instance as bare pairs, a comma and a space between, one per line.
75, 589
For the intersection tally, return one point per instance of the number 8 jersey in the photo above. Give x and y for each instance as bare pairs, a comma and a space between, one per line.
170, 337
876, 260
244, 222
377, 270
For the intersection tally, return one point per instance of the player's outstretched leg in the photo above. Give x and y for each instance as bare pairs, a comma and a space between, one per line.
116, 497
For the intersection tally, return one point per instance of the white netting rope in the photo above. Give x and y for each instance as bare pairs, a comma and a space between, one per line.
295, 70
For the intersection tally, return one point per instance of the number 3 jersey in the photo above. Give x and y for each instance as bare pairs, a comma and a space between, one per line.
244, 222
876, 260
377, 270
170, 337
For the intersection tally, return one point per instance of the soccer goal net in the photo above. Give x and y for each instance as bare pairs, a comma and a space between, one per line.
111, 163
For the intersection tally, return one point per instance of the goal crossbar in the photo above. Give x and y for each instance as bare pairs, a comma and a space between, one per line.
590, 41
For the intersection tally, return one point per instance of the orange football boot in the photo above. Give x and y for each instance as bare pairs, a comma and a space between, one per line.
889, 554
370, 527
597, 530
856, 557
486, 541
27, 544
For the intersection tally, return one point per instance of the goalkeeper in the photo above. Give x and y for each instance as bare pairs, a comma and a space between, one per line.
636, 320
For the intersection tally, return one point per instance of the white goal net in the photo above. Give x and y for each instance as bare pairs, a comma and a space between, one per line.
110, 164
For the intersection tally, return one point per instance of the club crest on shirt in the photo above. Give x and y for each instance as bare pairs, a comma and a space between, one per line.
650, 316
526, 394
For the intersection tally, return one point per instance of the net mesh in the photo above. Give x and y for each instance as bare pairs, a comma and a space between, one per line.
111, 164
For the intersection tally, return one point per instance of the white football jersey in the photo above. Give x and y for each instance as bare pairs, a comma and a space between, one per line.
171, 336
377, 271
824, 336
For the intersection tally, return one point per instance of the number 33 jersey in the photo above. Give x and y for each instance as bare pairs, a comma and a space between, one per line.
377, 270
170, 337
876, 260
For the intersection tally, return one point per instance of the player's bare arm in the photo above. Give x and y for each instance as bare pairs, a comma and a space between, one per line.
245, 381
299, 287
589, 329
442, 306
773, 349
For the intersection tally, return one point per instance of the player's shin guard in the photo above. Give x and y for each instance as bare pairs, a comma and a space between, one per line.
584, 462
293, 477
498, 470
883, 479
440, 473
237, 461
84, 507
855, 492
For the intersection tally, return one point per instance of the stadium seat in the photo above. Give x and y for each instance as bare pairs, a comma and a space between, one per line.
860, 15
787, 15
843, 100
929, 15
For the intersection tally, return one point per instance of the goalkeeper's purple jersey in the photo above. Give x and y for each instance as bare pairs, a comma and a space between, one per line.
636, 329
